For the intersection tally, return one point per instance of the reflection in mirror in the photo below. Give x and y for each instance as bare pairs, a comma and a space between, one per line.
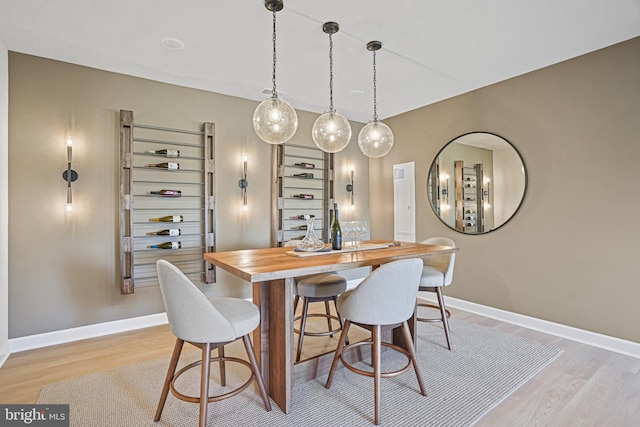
476, 183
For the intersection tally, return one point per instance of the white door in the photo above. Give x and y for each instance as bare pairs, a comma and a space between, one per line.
404, 200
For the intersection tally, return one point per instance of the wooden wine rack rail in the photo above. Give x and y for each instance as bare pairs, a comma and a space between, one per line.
195, 180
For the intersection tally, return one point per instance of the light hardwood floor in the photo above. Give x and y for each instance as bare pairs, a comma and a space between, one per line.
585, 386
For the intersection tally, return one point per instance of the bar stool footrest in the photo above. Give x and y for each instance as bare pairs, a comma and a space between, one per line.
217, 398
318, 334
431, 319
370, 373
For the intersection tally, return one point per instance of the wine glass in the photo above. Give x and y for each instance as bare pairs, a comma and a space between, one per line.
362, 230
347, 231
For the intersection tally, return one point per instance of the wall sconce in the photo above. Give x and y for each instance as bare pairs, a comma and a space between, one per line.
486, 193
69, 175
243, 184
444, 191
350, 187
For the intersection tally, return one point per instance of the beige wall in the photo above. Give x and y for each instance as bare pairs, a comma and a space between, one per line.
4, 203
570, 255
63, 269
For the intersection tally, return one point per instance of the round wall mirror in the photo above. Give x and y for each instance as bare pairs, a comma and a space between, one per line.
477, 183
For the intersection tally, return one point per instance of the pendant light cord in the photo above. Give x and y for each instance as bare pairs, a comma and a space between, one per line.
274, 93
331, 74
375, 100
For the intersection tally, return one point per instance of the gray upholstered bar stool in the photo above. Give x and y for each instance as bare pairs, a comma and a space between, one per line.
385, 299
322, 287
206, 324
436, 274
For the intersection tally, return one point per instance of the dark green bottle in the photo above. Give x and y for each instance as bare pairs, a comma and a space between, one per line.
336, 231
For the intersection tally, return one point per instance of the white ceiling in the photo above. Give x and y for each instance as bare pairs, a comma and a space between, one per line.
432, 49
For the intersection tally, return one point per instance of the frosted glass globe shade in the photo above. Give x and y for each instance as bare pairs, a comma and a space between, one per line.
331, 132
275, 121
375, 139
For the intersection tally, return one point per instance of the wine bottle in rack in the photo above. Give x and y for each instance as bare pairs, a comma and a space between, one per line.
299, 227
166, 245
168, 218
303, 196
165, 152
301, 216
305, 165
165, 165
305, 175
167, 193
166, 232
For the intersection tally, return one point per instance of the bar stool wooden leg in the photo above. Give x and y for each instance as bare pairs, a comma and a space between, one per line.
223, 372
443, 313
376, 352
336, 357
327, 309
173, 364
406, 332
256, 371
335, 302
204, 383
303, 321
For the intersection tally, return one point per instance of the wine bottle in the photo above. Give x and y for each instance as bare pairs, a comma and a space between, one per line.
336, 231
166, 232
470, 218
168, 193
166, 153
299, 227
167, 245
165, 165
305, 165
303, 196
168, 218
298, 217
305, 175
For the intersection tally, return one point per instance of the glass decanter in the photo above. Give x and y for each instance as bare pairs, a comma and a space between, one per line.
310, 243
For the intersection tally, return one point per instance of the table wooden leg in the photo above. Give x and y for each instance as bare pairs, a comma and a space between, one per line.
280, 346
261, 334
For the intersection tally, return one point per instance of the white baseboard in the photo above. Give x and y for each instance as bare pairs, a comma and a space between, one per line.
606, 342
5, 352
85, 332
595, 339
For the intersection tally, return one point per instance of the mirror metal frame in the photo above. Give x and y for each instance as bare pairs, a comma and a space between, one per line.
524, 190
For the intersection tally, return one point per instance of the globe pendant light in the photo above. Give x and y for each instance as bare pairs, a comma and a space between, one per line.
275, 121
331, 132
375, 139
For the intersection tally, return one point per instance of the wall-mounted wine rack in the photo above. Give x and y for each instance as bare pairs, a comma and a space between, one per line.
302, 179
469, 197
166, 174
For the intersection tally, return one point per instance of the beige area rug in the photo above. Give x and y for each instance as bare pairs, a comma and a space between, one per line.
484, 367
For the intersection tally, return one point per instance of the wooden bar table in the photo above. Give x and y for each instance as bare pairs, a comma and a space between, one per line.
271, 272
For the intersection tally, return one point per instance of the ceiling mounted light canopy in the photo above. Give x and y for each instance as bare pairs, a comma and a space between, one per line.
376, 138
331, 131
275, 121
